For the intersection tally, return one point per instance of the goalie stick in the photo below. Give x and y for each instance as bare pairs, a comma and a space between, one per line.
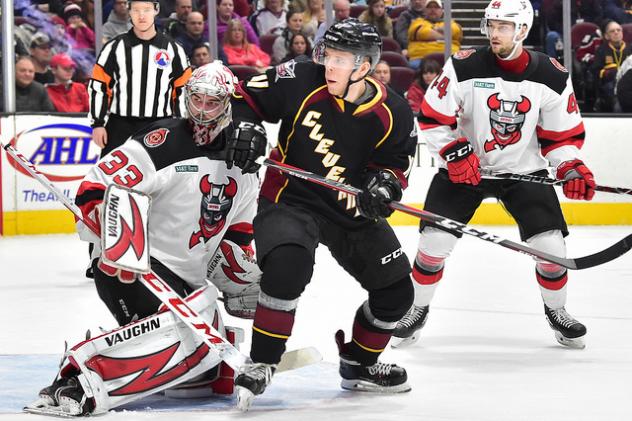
619, 248
550, 181
209, 335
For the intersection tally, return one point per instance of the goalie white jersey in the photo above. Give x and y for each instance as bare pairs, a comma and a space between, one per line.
196, 200
518, 123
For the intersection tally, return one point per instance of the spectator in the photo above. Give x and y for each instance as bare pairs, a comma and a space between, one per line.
41, 54
608, 59
342, 10
624, 85
618, 10
239, 51
67, 96
382, 73
300, 48
175, 26
118, 21
202, 55
313, 16
281, 46
77, 32
270, 19
30, 95
416, 10
376, 15
587, 10
225, 13
426, 74
426, 35
193, 33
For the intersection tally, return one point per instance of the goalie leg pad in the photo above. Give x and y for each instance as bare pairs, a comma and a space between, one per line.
144, 357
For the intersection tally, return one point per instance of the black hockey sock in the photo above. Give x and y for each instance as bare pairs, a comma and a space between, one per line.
287, 269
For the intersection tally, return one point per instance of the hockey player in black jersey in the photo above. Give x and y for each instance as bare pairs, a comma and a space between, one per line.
200, 228
339, 123
505, 109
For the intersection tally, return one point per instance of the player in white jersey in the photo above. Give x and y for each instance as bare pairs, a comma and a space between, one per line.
199, 227
501, 108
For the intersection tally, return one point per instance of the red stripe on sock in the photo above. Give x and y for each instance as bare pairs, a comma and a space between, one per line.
552, 284
426, 278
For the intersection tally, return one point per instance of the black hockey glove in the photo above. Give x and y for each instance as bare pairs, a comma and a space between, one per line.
379, 189
246, 144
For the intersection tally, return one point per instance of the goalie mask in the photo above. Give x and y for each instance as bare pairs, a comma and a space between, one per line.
207, 96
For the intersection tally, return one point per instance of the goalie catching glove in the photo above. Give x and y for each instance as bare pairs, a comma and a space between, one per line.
234, 271
379, 189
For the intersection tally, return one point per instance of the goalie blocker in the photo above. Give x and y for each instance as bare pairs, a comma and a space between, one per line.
139, 359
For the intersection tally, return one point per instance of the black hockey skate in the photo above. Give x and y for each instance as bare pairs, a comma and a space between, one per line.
377, 378
568, 331
64, 398
408, 328
252, 380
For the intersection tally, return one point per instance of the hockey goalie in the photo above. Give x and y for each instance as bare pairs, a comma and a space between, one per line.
194, 230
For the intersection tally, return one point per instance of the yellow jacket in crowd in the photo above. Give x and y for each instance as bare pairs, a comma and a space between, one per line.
420, 44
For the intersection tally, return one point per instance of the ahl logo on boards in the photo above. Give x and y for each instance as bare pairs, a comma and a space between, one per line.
58, 150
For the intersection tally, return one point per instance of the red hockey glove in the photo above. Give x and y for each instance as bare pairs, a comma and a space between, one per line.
579, 180
462, 162
124, 276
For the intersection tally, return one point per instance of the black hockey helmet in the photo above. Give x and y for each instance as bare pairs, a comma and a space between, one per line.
359, 38
156, 3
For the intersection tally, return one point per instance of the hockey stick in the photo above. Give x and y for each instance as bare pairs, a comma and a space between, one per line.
209, 335
549, 181
604, 256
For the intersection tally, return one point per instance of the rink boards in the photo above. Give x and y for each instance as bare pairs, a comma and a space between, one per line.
61, 148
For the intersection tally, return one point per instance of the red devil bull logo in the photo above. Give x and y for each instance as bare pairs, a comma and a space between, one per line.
57, 150
506, 119
217, 200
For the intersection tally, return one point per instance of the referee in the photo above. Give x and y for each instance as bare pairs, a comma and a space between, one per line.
138, 78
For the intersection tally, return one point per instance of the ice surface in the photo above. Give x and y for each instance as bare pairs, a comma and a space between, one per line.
486, 352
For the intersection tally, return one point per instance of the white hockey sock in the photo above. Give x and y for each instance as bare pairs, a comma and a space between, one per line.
424, 294
554, 299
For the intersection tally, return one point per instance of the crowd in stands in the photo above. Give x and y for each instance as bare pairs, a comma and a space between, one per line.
55, 42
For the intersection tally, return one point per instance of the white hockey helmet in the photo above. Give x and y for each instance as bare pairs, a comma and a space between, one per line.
211, 81
520, 12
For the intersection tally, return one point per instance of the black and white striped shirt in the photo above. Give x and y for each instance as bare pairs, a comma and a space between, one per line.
138, 78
